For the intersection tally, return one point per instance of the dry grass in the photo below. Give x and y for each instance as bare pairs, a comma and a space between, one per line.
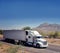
3, 48
1, 36
22, 51
6, 48
12, 49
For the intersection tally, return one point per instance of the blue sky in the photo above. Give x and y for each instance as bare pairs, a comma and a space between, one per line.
19, 13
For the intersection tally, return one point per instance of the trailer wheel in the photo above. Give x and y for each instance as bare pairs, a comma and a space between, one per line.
6, 39
16, 42
19, 42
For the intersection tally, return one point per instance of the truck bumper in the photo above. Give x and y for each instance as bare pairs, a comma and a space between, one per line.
41, 45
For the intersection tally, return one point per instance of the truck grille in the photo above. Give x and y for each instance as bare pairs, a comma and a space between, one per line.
45, 42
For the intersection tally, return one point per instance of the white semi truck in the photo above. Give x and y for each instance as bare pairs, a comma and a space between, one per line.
30, 37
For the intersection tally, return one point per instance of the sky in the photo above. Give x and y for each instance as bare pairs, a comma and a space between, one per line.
16, 14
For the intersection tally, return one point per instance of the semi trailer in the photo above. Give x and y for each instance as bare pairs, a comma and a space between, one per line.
30, 37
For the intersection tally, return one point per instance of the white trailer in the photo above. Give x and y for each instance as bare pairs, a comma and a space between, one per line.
15, 34
30, 37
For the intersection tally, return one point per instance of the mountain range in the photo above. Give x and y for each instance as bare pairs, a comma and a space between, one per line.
46, 27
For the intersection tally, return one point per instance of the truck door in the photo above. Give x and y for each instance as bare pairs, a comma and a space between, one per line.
28, 37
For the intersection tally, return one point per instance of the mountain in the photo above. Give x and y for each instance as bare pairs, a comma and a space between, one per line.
46, 27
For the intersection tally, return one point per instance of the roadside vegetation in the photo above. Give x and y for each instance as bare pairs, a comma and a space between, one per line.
52, 34
27, 28
1, 31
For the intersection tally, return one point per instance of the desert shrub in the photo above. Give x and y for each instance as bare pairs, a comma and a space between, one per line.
51, 34
43, 34
57, 35
54, 35
1, 31
26, 28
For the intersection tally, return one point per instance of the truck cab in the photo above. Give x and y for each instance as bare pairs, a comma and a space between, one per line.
40, 42
35, 39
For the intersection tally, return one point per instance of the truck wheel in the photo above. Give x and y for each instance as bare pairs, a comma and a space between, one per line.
44, 47
37, 45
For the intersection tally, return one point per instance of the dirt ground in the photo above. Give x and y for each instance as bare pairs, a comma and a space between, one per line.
53, 41
1, 36
7, 48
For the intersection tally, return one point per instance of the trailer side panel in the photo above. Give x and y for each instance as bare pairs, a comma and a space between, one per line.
15, 34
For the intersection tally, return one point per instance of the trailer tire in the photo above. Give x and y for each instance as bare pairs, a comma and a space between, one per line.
16, 42
19, 42
6, 39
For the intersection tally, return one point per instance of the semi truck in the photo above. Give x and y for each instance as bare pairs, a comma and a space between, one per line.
30, 37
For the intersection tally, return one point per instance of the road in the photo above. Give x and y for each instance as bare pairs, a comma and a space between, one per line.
50, 49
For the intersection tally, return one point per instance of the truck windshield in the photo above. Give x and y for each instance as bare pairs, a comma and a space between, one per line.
35, 33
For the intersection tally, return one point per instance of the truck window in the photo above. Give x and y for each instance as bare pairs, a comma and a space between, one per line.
26, 32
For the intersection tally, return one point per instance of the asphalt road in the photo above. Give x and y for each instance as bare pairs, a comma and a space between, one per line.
50, 49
